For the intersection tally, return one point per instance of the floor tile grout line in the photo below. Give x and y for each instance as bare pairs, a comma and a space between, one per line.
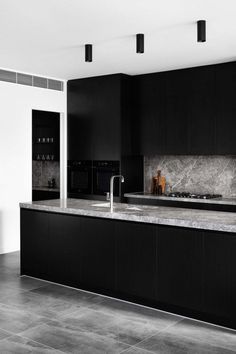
133, 347
19, 333
19, 308
128, 302
8, 332
120, 316
206, 342
153, 335
45, 345
35, 341
82, 329
110, 298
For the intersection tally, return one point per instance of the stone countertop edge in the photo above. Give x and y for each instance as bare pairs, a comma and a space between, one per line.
189, 218
224, 201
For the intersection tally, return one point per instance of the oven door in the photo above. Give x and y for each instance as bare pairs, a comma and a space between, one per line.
102, 173
79, 177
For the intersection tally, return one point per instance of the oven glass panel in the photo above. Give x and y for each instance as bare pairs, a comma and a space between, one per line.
79, 180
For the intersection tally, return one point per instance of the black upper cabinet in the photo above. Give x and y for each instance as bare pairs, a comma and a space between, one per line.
226, 108
97, 109
176, 88
188, 111
201, 110
150, 113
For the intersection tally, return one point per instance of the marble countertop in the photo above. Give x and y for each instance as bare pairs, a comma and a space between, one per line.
191, 218
143, 195
46, 189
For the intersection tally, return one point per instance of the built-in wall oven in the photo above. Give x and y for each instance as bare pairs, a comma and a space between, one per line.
79, 178
102, 172
91, 179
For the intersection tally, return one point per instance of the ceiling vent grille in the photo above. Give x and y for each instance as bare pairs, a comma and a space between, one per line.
30, 80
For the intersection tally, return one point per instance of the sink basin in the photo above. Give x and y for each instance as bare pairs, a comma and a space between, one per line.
133, 208
101, 205
107, 205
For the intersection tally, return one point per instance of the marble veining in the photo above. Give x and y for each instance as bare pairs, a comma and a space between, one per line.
191, 218
42, 171
195, 174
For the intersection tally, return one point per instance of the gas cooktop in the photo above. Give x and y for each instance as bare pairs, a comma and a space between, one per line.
192, 195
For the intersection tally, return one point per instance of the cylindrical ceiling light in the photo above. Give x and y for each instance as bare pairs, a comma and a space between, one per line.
140, 43
88, 52
201, 31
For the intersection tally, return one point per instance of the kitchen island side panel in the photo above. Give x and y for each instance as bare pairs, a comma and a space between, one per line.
171, 268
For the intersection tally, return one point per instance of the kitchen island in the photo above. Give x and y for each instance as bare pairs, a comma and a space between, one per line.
178, 260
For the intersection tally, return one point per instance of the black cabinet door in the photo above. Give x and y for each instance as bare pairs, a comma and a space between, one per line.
220, 274
36, 248
201, 110
226, 108
136, 259
66, 240
106, 103
94, 114
150, 112
176, 112
98, 254
179, 267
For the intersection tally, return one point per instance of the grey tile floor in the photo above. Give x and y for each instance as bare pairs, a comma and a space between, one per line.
40, 317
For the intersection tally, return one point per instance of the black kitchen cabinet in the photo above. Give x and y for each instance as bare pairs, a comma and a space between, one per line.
176, 88
65, 240
188, 111
225, 103
186, 271
49, 241
135, 258
67, 249
150, 112
179, 267
98, 254
36, 247
102, 127
201, 107
220, 274
97, 108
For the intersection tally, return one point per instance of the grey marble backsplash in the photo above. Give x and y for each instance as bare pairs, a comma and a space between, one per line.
194, 174
45, 170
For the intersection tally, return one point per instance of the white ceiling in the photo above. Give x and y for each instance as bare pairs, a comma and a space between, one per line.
47, 37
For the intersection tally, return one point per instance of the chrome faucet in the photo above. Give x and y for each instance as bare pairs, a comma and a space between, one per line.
110, 196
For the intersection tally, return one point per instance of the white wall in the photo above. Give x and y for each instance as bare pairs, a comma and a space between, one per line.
16, 104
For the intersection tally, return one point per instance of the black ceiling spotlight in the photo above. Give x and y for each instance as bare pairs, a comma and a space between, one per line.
140, 43
201, 31
88, 52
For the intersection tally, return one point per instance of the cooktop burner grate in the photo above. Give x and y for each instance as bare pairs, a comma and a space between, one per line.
193, 195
